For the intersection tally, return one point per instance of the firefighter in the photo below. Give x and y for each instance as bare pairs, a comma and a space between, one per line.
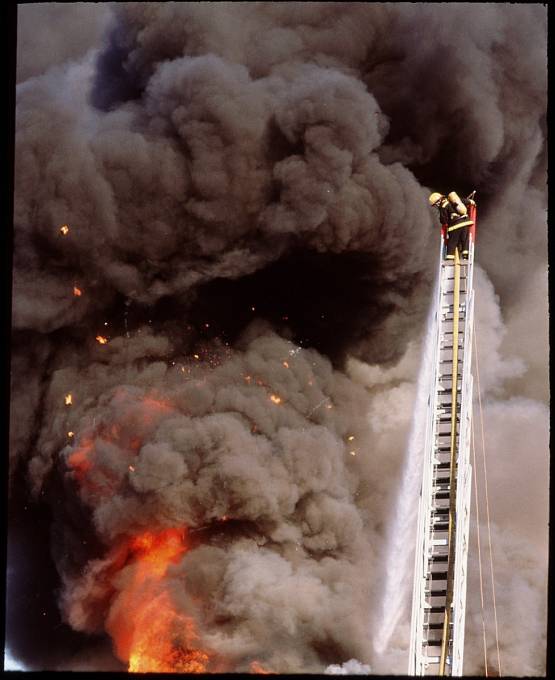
453, 213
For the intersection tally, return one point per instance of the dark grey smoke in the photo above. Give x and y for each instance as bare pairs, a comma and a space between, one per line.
247, 183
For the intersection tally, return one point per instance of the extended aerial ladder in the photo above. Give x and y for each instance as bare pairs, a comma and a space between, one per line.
439, 593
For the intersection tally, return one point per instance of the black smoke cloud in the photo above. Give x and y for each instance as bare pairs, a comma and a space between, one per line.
247, 183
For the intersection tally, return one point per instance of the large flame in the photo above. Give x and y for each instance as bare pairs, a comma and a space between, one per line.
147, 629
149, 632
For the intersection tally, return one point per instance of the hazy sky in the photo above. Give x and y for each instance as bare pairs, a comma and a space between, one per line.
246, 188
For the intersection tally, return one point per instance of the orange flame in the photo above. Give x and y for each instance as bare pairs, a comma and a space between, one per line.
77, 291
275, 399
64, 230
68, 399
149, 633
256, 667
101, 339
79, 460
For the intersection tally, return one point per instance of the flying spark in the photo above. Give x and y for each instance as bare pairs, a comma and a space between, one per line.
68, 399
275, 399
64, 230
77, 291
101, 339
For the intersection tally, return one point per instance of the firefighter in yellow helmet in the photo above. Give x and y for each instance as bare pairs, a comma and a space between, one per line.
454, 216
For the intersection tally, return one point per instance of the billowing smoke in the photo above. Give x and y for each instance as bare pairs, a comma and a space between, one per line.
244, 187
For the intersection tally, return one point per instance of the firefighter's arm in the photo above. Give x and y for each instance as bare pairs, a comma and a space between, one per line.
470, 198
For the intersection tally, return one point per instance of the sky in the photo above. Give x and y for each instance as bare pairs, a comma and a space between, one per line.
238, 309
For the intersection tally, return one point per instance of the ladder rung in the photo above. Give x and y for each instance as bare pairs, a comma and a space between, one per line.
438, 576
441, 495
439, 558
434, 610
435, 659
440, 526
435, 626
437, 593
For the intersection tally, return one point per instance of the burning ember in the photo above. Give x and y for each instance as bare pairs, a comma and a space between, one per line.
275, 399
68, 399
101, 339
64, 230
148, 630
77, 291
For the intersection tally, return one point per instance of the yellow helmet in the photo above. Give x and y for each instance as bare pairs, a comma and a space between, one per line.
434, 198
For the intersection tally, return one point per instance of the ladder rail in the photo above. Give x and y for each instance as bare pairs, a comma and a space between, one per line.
452, 476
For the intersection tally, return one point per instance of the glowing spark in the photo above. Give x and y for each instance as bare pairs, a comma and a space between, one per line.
275, 399
353, 453
248, 378
101, 339
351, 437
68, 399
105, 323
329, 406
253, 308
196, 356
132, 468
70, 434
286, 364
64, 230
77, 291
207, 325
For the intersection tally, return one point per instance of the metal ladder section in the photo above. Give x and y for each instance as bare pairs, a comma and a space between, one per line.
439, 594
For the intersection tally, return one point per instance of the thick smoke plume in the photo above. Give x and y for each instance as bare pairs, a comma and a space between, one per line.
244, 187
